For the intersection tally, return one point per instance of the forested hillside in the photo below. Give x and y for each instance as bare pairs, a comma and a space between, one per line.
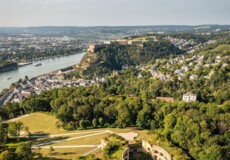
115, 57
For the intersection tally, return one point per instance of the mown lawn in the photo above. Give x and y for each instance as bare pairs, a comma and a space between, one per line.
94, 140
64, 153
41, 123
45, 124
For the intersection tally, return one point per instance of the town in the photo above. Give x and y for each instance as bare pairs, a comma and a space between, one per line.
18, 46
43, 83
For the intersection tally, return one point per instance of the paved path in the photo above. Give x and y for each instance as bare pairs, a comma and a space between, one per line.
76, 146
92, 150
66, 134
69, 139
128, 136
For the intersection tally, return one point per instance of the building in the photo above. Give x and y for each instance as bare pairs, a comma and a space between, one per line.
218, 59
193, 77
189, 97
122, 42
156, 152
91, 48
134, 42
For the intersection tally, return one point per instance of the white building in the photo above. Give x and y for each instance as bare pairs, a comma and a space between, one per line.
189, 97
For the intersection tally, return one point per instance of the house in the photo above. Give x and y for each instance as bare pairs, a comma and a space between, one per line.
25, 93
218, 59
139, 75
177, 71
189, 97
193, 77
107, 42
185, 68
122, 42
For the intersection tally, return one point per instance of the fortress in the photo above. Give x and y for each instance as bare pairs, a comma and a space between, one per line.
93, 47
156, 152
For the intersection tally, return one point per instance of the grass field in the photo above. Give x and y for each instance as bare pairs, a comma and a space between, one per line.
41, 123
96, 140
222, 48
65, 153
45, 124
219, 49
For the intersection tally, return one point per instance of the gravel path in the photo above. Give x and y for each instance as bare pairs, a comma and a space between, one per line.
69, 139
76, 146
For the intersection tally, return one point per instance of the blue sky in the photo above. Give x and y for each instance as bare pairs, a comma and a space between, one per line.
15, 13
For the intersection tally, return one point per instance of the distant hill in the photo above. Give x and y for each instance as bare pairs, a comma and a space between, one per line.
125, 30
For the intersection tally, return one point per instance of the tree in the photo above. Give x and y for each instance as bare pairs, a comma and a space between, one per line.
27, 131
24, 151
101, 121
3, 135
6, 155
95, 122
14, 128
51, 150
124, 116
26, 78
84, 124
143, 119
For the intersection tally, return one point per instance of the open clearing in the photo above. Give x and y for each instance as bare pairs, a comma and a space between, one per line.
66, 144
40, 123
219, 49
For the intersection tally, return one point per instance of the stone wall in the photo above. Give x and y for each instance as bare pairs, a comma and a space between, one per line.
125, 154
156, 152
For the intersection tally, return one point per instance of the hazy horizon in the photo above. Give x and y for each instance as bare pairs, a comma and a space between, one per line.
115, 25
90, 13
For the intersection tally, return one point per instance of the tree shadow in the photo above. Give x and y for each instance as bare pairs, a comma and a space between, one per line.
40, 133
66, 153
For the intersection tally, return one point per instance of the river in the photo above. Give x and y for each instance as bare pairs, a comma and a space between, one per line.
31, 71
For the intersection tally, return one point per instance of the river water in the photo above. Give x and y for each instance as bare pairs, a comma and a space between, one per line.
31, 71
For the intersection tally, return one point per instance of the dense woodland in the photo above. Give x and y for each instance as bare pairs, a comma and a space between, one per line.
200, 129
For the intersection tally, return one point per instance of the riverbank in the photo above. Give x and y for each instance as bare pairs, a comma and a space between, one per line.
47, 81
8, 66
48, 65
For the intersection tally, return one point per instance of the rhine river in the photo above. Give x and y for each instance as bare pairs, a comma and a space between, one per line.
31, 71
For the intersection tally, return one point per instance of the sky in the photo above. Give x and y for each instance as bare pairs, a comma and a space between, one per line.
25, 13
